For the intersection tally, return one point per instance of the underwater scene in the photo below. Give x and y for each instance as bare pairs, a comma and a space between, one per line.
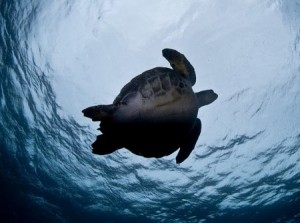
58, 58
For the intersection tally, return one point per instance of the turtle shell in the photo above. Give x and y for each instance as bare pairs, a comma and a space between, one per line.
155, 95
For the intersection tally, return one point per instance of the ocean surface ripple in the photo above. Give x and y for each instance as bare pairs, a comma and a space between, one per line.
58, 57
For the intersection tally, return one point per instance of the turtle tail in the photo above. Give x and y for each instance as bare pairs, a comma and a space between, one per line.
99, 112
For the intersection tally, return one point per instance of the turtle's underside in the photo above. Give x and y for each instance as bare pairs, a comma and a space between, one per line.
154, 114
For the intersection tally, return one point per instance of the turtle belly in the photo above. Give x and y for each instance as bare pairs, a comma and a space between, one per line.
170, 109
157, 140
153, 131
147, 139
155, 126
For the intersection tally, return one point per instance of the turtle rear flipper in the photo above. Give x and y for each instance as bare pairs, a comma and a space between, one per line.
189, 143
99, 112
206, 97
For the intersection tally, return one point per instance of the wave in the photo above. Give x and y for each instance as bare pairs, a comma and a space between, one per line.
57, 58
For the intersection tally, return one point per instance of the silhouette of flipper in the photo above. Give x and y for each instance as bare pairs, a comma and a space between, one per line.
105, 145
189, 143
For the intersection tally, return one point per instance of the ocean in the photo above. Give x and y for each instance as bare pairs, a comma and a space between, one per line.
59, 57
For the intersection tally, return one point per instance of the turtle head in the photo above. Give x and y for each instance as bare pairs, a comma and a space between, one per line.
206, 97
179, 63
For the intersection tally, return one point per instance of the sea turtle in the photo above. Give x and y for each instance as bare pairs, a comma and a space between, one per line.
155, 113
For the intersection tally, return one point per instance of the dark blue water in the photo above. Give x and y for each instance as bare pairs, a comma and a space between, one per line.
58, 57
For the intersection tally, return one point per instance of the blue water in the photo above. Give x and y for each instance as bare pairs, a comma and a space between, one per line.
58, 57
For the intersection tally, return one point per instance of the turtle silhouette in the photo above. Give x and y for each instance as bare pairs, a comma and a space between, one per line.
155, 113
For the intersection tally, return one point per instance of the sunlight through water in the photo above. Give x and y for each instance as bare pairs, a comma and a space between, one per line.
59, 57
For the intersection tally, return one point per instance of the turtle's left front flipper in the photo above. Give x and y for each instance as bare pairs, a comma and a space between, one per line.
189, 143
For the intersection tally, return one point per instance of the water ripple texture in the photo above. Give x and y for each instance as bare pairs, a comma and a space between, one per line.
58, 57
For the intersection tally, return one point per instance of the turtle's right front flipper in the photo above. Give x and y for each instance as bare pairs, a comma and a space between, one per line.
99, 112
180, 64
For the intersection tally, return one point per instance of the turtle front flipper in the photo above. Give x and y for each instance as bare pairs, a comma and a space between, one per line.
179, 63
100, 112
189, 143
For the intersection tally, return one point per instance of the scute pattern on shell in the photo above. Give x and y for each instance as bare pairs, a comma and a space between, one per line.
157, 84
147, 83
165, 82
154, 83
